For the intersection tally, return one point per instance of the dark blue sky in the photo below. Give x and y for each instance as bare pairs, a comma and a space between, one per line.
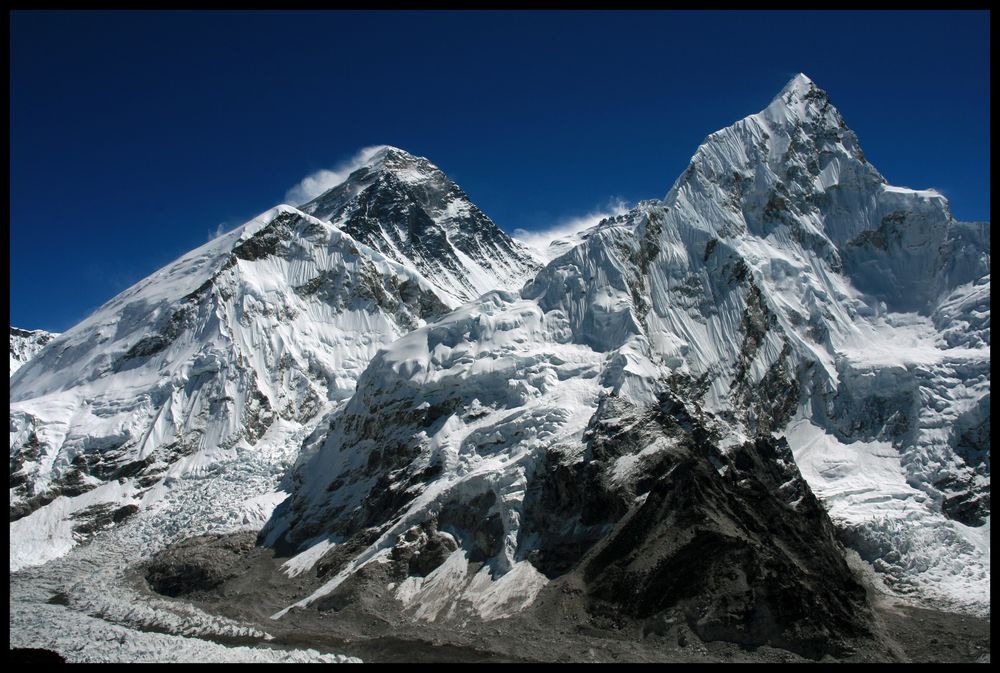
134, 135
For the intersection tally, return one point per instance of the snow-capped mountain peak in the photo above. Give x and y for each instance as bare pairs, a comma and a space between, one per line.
800, 82
258, 331
800, 102
409, 210
796, 171
405, 166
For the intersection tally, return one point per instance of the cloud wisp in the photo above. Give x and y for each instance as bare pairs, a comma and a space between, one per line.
219, 230
541, 240
315, 184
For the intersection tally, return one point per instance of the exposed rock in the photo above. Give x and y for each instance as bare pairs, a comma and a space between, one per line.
30, 656
742, 553
198, 564
98, 517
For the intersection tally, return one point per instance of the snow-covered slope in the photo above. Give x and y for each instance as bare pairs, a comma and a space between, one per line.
266, 325
25, 344
407, 209
781, 289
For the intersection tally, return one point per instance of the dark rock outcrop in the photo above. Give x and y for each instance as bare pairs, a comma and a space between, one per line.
198, 564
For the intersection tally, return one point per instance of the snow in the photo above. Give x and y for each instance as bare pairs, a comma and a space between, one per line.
80, 638
919, 193
477, 347
451, 588
627, 466
913, 546
250, 337
901, 340
476, 256
551, 242
779, 253
25, 344
304, 561
47, 533
855, 481
250, 366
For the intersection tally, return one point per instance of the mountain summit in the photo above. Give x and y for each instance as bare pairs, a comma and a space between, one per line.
407, 209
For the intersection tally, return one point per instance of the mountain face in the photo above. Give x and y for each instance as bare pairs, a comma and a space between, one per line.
650, 421
255, 332
237, 348
674, 428
25, 344
407, 209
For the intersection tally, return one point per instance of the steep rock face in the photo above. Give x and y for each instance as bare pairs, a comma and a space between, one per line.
25, 344
256, 333
734, 545
407, 209
744, 299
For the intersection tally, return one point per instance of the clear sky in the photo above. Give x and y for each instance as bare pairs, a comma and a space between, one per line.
136, 136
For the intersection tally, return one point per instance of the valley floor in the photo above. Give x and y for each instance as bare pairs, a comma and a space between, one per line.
54, 607
921, 635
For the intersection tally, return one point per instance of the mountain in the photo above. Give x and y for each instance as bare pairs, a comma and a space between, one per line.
25, 344
237, 349
704, 420
407, 209
650, 424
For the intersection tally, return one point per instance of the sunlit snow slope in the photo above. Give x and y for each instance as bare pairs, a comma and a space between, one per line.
274, 320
